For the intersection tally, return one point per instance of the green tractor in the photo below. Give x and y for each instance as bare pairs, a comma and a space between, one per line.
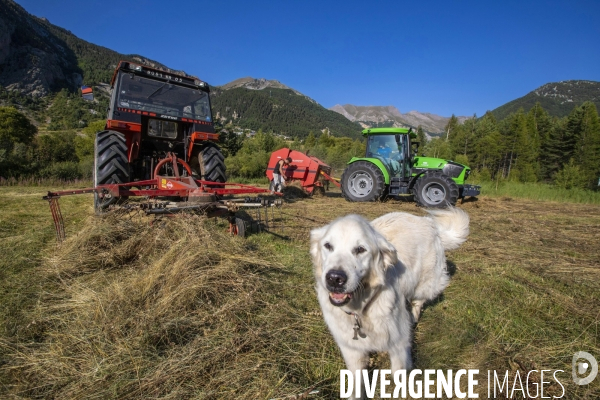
392, 167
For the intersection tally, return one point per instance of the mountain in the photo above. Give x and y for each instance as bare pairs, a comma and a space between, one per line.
557, 98
38, 58
270, 105
390, 116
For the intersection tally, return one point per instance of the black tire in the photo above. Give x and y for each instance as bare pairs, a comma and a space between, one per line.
363, 181
110, 164
435, 190
241, 227
212, 164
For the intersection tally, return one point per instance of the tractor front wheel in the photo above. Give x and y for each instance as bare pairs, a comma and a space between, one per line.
110, 165
435, 190
363, 181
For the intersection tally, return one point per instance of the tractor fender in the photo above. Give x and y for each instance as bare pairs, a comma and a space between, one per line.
378, 163
419, 173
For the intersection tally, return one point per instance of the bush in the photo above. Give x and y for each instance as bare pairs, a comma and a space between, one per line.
86, 168
252, 159
482, 175
461, 159
64, 171
571, 176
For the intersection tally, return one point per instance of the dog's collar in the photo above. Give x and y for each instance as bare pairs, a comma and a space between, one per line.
357, 325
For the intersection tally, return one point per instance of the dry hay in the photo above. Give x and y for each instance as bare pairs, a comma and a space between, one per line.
294, 190
174, 309
179, 309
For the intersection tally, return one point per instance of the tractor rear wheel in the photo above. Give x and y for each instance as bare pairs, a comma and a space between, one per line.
363, 181
110, 164
435, 190
212, 164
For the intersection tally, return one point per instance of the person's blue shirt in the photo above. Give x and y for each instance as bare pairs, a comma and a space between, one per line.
384, 151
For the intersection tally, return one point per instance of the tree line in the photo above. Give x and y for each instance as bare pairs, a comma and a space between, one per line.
527, 147
524, 147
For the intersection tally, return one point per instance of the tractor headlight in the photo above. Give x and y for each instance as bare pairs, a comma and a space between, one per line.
135, 67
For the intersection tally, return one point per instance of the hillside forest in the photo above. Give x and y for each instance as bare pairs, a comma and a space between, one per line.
526, 147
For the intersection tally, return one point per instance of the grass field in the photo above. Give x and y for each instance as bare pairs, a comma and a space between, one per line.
129, 308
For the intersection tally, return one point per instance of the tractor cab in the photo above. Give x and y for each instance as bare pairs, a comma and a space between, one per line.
393, 150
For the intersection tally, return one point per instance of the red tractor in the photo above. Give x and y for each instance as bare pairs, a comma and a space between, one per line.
159, 145
154, 115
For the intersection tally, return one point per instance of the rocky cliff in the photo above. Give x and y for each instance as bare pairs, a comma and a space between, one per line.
390, 116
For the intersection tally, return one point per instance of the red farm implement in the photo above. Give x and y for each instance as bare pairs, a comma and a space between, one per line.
311, 172
169, 195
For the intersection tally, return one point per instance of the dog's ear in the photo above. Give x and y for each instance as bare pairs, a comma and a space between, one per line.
315, 248
387, 250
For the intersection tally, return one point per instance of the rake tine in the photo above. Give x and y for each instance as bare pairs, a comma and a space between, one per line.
59, 225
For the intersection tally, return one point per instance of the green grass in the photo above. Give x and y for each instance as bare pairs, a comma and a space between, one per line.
539, 191
178, 309
249, 181
26, 229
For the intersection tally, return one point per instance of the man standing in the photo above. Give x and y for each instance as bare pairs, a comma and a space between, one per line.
279, 175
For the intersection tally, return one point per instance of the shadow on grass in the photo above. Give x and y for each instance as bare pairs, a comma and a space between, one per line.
470, 199
450, 267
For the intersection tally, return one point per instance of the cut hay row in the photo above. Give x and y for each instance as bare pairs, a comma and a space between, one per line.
176, 309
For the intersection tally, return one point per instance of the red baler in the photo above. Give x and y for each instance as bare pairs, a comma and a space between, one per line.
304, 168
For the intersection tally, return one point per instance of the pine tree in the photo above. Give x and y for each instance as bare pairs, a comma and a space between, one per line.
421, 136
421, 139
487, 149
451, 126
464, 138
587, 147
519, 147
552, 152
311, 140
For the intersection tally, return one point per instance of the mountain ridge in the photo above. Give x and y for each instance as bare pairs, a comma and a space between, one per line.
557, 98
261, 84
390, 116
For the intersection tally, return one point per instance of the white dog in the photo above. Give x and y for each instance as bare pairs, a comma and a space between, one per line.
370, 276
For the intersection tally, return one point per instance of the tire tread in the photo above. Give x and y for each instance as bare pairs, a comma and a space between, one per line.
452, 190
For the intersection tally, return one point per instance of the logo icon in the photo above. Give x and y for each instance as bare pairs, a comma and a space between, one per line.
581, 368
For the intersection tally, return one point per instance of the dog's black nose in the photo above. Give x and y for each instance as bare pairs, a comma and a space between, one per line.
336, 279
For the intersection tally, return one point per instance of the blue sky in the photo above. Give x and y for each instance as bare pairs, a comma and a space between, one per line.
443, 57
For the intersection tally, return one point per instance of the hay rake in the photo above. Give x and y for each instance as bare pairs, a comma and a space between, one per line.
168, 195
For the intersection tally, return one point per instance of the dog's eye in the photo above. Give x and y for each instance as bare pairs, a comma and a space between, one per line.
328, 246
359, 250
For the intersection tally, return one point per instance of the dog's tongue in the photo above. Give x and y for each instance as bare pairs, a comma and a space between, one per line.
339, 296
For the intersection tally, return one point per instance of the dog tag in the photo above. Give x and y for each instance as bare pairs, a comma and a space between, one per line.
356, 329
357, 332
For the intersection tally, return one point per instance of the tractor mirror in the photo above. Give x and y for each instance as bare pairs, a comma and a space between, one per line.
87, 93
